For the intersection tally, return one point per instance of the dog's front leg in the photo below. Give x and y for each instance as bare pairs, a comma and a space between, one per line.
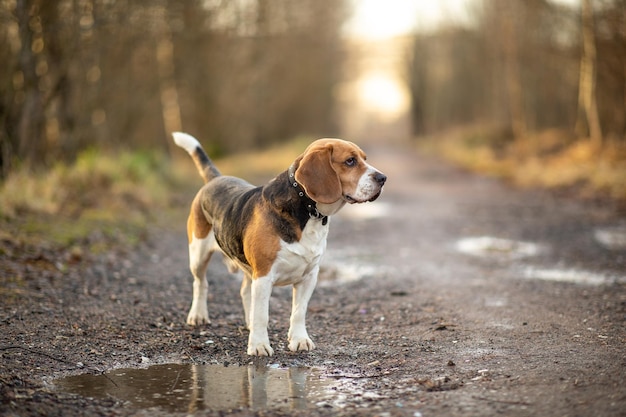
259, 341
302, 291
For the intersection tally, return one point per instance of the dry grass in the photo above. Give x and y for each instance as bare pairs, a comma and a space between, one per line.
100, 199
114, 198
260, 166
549, 159
128, 181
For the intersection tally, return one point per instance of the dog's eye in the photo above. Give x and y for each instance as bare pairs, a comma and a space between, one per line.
351, 161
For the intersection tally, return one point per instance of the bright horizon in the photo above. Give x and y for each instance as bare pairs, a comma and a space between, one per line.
383, 19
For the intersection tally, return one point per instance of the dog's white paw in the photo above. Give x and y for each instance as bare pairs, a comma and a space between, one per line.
197, 319
303, 343
260, 349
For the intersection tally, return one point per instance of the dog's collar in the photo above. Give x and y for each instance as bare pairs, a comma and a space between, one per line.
310, 204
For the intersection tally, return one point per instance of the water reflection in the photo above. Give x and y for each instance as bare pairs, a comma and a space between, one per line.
191, 388
487, 246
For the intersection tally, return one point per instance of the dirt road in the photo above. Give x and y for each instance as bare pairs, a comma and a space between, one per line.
452, 295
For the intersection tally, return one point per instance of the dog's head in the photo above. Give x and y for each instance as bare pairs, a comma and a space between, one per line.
331, 170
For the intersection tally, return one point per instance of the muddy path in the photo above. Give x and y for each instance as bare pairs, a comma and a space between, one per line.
452, 295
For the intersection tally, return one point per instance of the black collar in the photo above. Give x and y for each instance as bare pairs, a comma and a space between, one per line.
310, 204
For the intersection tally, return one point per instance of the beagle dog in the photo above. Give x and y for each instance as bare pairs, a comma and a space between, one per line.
275, 233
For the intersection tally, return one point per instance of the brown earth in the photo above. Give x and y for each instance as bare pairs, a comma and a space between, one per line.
420, 327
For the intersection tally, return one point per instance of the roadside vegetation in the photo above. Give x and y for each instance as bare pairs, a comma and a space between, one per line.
104, 200
533, 92
98, 201
552, 159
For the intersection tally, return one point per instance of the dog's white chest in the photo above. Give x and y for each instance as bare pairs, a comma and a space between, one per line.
296, 260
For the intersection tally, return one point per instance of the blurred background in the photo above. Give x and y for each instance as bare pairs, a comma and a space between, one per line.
490, 84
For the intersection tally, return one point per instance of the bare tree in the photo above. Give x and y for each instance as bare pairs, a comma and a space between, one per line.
31, 118
587, 101
166, 71
97, 73
509, 14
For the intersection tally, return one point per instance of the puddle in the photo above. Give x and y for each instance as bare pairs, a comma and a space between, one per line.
496, 302
190, 388
372, 210
343, 266
487, 246
337, 274
613, 238
572, 276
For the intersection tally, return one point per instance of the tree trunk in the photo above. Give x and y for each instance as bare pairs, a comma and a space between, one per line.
32, 118
587, 105
170, 106
512, 70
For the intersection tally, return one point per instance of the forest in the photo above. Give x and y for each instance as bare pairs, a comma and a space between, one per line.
527, 66
533, 91
523, 78
81, 74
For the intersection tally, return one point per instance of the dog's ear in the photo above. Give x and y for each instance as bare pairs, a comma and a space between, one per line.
316, 174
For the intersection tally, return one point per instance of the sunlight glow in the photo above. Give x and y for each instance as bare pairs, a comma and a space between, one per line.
383, 94
380, 19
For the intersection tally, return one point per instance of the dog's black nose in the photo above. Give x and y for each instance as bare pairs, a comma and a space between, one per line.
380, 178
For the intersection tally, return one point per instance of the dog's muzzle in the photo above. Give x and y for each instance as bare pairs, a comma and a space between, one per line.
380, 179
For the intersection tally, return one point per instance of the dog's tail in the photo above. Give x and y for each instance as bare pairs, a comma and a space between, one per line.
205, 166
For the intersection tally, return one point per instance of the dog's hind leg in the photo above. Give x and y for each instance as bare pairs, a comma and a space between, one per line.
200, 251
246, 297
202, 244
